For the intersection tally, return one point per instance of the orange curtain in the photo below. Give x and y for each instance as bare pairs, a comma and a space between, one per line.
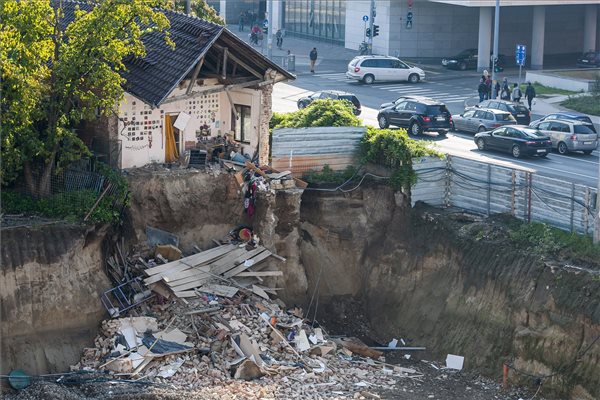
171, 153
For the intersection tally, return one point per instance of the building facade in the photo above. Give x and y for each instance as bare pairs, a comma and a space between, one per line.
438, 28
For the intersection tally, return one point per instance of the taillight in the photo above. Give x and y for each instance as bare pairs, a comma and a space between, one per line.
529, 142
496, 125
356, 69
450, 118
426, 119
573, 137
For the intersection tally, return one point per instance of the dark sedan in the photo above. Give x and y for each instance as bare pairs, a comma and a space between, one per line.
516, 140
467, 59
591, 59
333, 95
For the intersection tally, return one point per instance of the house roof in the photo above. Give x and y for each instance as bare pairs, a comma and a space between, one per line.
154, 77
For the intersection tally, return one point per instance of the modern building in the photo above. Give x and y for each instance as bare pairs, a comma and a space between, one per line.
437, 28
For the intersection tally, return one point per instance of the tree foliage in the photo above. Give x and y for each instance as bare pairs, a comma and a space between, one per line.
200, 9
326, 112
53, 77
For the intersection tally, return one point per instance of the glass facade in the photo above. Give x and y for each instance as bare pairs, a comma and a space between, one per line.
320, 19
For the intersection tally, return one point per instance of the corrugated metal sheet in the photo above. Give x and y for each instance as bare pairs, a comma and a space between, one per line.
303, 149
489, 189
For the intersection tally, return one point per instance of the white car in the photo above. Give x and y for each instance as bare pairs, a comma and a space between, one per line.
369, 69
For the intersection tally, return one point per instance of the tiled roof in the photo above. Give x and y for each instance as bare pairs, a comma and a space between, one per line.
154, 77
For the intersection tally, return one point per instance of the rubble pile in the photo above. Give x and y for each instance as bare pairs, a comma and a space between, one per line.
214, 341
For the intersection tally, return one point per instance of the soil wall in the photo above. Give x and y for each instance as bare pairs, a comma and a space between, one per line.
50, 286
408, 273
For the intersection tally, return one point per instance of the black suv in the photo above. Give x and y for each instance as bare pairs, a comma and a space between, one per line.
467, 59
331, 94
518, 110
418, 114
591, 59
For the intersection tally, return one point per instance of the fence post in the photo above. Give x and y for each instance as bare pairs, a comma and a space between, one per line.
586, 211
528, 196
572, 204
448, 180
489, 188
512, 194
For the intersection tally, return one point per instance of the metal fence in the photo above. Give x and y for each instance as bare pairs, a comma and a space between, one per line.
302, 149
489, 189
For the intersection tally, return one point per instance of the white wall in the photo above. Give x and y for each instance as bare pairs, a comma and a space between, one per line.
143, 139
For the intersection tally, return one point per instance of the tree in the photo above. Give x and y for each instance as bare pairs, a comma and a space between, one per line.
54, 77
200, 9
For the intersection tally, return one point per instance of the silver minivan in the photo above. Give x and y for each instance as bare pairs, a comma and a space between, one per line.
369, 69
568, 135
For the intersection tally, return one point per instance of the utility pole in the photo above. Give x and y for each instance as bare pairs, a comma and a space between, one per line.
372, 14
270, 29
188, 6
496, 34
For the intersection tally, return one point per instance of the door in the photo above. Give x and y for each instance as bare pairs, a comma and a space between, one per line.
385, 70
462, 122
400, 70
497, 139
172, 139
477, 120
395, 114
545, 128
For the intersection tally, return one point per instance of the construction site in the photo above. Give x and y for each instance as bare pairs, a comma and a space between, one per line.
206, 292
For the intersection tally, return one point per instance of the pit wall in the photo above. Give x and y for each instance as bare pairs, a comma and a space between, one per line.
418, 279
50, 286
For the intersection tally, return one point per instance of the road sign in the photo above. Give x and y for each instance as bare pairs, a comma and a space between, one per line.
365, 18
520, 54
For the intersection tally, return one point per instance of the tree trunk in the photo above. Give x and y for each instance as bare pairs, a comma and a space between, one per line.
29, 180
45, 180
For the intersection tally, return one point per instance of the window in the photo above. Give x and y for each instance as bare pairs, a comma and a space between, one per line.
243, 125
544, 126
480, 114
382, 63
503, 107
494, 105
469, 114
489, 116
583, 130
500, 132
368, 63
401, 106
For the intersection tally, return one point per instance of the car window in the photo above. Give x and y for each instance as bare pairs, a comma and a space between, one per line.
484, 104
551, 116
520, 108
503, 107
489, 116
469, 114
402, 105
544, 126
403, 66
383, 63
559, 127
583, 130
354, 62
584, 119
437, 110
504, 117
493, 104
368, 63
500, 132
351, 99
510, 132
315, 96
480, 114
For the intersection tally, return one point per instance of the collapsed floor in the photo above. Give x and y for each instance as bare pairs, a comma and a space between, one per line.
362, 264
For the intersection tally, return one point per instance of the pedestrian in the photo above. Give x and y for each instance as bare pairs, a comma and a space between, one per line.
505, 93
516, 93
496, 90
241, 22
279, 37
313, 59
482, 90
488, 83
529, 94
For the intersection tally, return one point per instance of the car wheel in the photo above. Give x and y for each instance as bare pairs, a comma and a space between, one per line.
415, 129
368, 79
562, 148
443, 132
516, 151
587, 152
481, 129
383, 122
462, 66
481, 144
301, 105
413, 78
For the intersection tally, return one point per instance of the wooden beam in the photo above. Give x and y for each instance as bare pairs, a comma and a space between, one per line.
212, 89
242, 63
195, 76
224, 72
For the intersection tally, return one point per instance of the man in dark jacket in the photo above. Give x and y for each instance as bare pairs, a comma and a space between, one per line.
529, 94
482, 90
313, 59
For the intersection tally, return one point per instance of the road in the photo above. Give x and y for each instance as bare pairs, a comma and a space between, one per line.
454, 88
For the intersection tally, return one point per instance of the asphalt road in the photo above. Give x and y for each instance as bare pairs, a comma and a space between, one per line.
454, 88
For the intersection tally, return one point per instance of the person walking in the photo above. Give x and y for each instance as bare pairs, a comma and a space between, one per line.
496, 90
241, 22
516, 93
313, 59
482, 90
529, 94
279, 37
505, 94
488, 83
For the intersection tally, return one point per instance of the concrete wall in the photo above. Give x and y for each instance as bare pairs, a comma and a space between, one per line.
51, 280
143, 139
547, 78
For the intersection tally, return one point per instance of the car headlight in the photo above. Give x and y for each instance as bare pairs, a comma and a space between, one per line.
452, 61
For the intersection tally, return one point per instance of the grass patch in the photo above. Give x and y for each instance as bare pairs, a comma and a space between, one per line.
327, 175
545, 240
546, 90
584, 104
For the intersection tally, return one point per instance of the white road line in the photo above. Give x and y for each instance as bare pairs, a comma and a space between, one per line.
411, 90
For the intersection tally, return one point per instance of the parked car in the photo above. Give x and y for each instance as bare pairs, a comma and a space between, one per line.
518, 110
481, 120
331, 94
516, 140
417, 115
568, 135
467, 59
369, 69
398, 100
591, 59
570, 115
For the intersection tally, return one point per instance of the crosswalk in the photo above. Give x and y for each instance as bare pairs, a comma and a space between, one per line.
436, 90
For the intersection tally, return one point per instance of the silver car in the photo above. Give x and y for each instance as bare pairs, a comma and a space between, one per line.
568, 135
482, 119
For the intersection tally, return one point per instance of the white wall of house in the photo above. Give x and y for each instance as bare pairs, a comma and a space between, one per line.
142, 131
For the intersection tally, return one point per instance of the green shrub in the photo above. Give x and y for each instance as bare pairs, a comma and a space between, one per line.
394, 150
584, 104
318, 113
327, 175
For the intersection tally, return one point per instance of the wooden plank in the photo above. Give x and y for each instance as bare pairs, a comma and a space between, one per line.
223, 266
260, 273
194, 259
260, 292
186, 274
219, 290
200, 277
242, 267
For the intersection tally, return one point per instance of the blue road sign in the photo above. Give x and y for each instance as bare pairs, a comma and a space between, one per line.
520, 54
365, 18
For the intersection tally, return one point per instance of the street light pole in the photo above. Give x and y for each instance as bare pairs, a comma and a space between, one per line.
495, 56
371, 18
270, 29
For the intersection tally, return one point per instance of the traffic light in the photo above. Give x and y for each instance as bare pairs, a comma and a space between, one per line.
375, 30
368, 32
